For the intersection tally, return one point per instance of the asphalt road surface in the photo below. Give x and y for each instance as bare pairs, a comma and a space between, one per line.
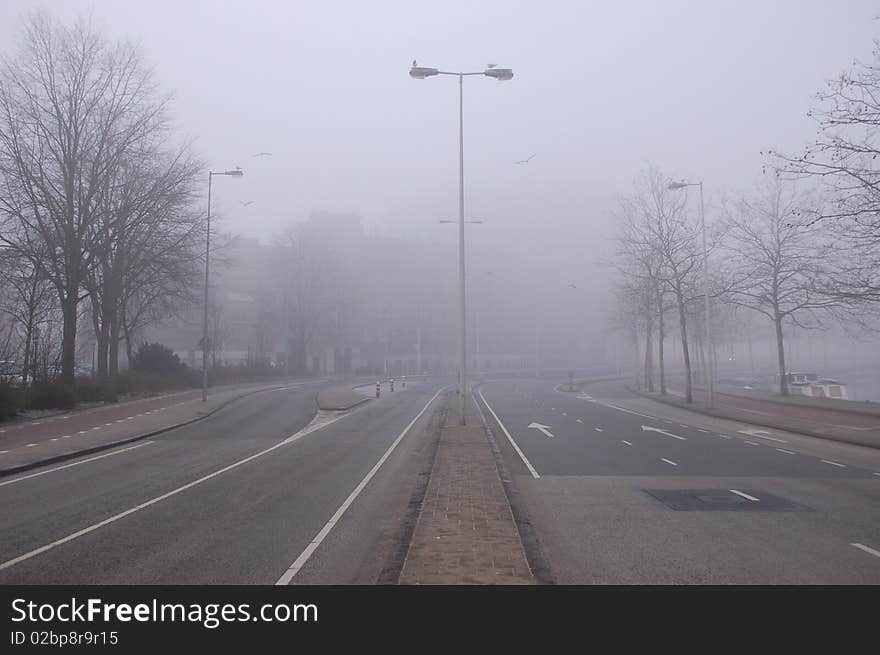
251, 495
620, 489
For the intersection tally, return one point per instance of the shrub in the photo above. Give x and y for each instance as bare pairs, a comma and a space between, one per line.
10, 401
159, 360
51, 395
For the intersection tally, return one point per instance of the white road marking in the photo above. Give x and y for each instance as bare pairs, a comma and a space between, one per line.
703, 431
828, 461
510, 439
876, 473
867, 549
116, 517
300, 561
782, 450
545, 429
627, 443
67, 466
36, 423
683, 426
55, 439
746, 496
97, 427
668, 434
598, 429
108, 424
751, 443
724, 436
668, 461
30, 445
67, 436
579, 421
761, 434
564, 414
3, 452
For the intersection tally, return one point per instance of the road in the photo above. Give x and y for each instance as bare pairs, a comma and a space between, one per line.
238, 497
621, 489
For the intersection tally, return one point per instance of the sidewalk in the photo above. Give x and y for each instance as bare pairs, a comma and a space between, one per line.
37, 443
465, 532
858, 427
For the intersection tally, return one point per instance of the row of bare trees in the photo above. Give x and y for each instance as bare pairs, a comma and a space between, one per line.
96, 193
801, 249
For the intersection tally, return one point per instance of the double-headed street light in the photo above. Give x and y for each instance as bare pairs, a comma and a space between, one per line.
682, 185
500, 74
237, 172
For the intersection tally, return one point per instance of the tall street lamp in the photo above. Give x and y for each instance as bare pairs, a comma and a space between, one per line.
500, 74
233, 173
681, 185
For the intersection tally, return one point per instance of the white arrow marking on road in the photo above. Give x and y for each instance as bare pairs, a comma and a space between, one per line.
543, 428
668, 434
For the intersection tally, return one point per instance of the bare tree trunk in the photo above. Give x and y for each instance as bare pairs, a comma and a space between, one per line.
780, 354
660, 337
649, 352
682, 321
68, 337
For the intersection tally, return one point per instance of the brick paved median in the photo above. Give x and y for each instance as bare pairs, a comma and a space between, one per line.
465, 533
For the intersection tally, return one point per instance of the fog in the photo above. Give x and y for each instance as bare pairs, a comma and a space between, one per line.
600, 90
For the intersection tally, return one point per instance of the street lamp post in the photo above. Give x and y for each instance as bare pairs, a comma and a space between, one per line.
500, 74
233, 173
711, 366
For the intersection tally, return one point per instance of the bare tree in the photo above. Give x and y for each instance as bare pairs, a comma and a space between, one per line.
72, 106
779, 262
658, 233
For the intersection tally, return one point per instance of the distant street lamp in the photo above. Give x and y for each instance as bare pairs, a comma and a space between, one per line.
681, 185
233, 173
500, 74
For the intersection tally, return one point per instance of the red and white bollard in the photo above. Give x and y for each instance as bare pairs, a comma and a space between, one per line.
378, 390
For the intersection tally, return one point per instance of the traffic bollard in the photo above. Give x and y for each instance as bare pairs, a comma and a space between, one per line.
377, 390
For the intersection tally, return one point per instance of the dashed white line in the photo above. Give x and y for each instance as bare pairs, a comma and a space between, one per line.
54, 439
3, 452
67, 436
681, 425
598, 429
828, 461
668, 461
783, 450
30, 445
724, 436
579, 421
751, 443
746, 496
108, 423
867, 549
703, 431
97, 427
626, 442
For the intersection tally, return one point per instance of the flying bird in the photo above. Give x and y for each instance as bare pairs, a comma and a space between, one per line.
524, 161
261, 154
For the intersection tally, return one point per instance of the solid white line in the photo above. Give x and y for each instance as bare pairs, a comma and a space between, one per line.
628, 411
76, 535
67, 466
865, 548
510, 439
627, 443
828, 461
668, 461
300, 561
746, 496
782, 450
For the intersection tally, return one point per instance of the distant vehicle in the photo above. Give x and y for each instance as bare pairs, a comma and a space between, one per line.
816, 386
9, 373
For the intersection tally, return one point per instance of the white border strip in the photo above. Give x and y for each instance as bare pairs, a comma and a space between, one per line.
313, 546
67, 466
510, 439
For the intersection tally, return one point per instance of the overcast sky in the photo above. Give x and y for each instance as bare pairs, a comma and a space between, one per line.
600, 88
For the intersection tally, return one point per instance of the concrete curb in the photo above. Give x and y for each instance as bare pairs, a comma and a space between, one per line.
20, 468
767, 423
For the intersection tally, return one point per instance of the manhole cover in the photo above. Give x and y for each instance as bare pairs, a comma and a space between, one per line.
745, 500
